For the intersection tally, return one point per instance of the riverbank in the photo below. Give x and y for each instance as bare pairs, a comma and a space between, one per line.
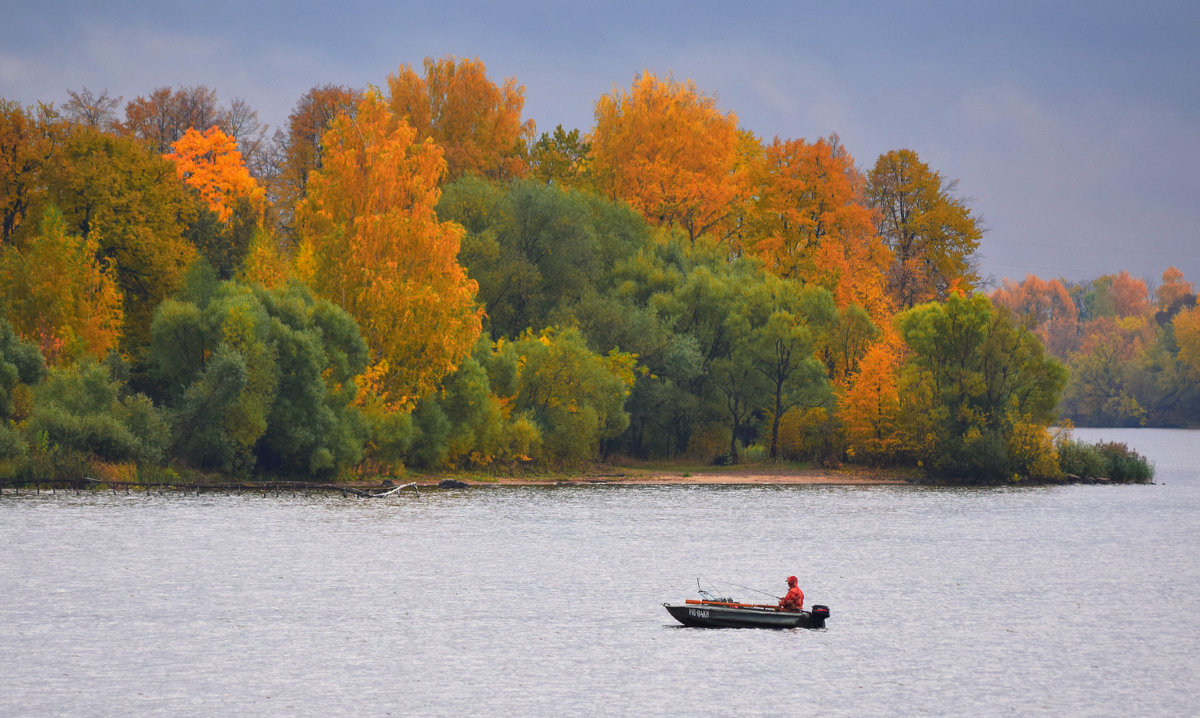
684, 474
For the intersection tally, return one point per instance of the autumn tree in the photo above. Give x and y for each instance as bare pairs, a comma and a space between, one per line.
57, 293
164, 115
1130, 296
666, 149
1046, 308
477, 123
1187, 337
1102, 390
264, 261
931, 233
300, 150
810, 222
1117, 296
870, 406
1131, 367
558, 158
27, 141
210, 163
1174, 293
118, 193
373, 245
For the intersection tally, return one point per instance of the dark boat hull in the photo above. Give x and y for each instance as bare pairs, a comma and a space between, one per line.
706, 615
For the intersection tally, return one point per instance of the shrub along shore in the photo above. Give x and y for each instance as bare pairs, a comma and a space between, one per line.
1083, 463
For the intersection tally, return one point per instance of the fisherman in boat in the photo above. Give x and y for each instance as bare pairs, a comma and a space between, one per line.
794, 600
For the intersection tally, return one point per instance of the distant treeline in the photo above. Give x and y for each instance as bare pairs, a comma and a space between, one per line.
1134, 356
410, 276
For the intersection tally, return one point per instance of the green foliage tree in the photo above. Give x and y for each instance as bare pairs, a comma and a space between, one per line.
787, 327
532, 249
976, 383
21, 366
225, 244
82, 410
575, 396
558, 158
470, 424
634, 309
257, 376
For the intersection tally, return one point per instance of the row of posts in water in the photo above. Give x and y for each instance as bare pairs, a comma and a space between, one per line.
92, 485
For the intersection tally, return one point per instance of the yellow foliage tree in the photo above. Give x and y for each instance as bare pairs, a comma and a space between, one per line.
931, 233
1187, 337
372, 243
265, 262
667, 150
57, 294
210, 162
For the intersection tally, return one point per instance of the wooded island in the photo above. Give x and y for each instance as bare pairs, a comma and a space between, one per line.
411, 278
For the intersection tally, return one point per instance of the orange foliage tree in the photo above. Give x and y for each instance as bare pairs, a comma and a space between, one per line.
209, 161
1130, 296
477, 123
667, 150
1173, 290
372, 243
1046, 308
870, 405
810, 222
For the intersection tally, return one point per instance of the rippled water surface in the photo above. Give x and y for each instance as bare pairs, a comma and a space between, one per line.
1077, 600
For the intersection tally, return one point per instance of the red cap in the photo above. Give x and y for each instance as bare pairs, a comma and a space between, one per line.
791, 580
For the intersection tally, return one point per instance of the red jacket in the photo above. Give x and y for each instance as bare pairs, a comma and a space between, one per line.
793, 601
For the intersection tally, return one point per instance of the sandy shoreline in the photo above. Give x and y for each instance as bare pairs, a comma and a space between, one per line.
767, 475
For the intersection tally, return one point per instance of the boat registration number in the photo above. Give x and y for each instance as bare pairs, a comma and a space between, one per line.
698, 612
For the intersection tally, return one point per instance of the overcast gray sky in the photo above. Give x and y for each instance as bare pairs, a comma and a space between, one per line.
1073, 127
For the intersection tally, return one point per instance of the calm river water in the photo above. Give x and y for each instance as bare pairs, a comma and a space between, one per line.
1076, 600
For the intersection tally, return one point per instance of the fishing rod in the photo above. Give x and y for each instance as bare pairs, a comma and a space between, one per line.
745, 588
709, 596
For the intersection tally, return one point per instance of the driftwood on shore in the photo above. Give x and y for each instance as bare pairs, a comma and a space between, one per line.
89, 484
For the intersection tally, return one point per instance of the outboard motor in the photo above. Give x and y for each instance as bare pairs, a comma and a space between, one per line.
819, 614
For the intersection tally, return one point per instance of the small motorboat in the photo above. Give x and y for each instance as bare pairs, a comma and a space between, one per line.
717, 612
